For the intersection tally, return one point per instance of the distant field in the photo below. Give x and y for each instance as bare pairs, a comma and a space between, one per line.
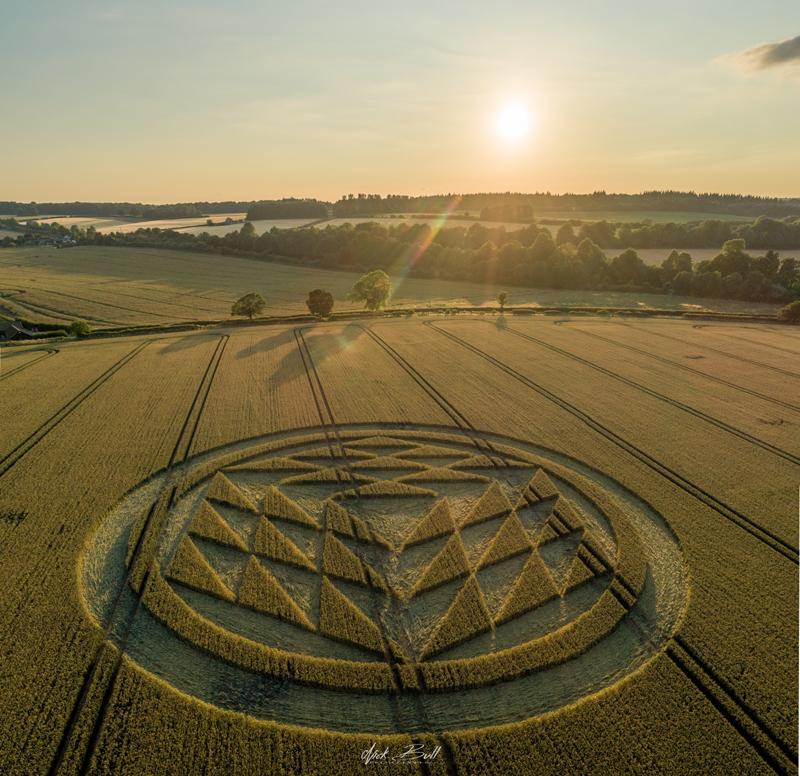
260, 226
174, 223
659, 216
547, 546
118, 286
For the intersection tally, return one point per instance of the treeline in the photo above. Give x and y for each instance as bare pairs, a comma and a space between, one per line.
287, 208
530, 257
511, 206
121, 209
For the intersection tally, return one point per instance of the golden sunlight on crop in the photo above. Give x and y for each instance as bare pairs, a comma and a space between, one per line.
512, 122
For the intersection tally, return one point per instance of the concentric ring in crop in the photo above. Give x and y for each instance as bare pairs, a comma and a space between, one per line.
380, 578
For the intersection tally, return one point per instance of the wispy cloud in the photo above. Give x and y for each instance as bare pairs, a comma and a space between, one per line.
783, 54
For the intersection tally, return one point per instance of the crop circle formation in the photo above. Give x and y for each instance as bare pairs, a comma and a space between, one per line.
386, 578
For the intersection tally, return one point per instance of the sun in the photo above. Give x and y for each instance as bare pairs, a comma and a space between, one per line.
513, 122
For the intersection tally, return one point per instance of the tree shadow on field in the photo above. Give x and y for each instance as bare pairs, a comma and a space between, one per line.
321, 345
501, 322
266, 344
190, 341
324, 344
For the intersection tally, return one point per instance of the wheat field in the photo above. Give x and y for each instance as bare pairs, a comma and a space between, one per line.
113, 287
544, 546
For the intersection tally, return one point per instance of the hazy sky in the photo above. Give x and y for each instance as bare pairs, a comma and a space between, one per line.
168, 101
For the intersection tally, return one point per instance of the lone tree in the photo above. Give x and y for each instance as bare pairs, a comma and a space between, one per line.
80, 329
249, 305
501, 300
372, 289
790, 313
320, 302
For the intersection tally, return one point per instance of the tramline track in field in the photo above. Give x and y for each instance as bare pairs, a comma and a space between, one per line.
327, 420
770, 747
27, 444
791, 458
104, 667
684, 367
46, 353
724, 353
762, 534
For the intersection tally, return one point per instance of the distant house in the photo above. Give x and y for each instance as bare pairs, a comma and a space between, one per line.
10, 330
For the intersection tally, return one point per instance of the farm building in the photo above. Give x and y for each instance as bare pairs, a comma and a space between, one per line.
11, 330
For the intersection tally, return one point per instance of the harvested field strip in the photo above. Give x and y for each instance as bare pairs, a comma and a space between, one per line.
698, 343
109, 304
661, 397
27, 309
762, 534
675, 364
774, 751
23, 361
11, 458
140, 557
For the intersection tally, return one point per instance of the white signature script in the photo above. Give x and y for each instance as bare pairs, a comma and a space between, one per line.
410, 754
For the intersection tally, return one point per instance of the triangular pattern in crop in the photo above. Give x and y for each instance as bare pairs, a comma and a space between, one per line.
341, 619
340, 561
547, 534
485, 462
578, 573
541, 486
443, 475
209, 524
190, 567
467, 616
493, 503
558, 555
337, 519
283, 465
449, 564
224, 491
438, 522
278, 505
271, 543
261, 591
534, 586
509, 541
433, 451
379, 442
389, 462
386, 489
